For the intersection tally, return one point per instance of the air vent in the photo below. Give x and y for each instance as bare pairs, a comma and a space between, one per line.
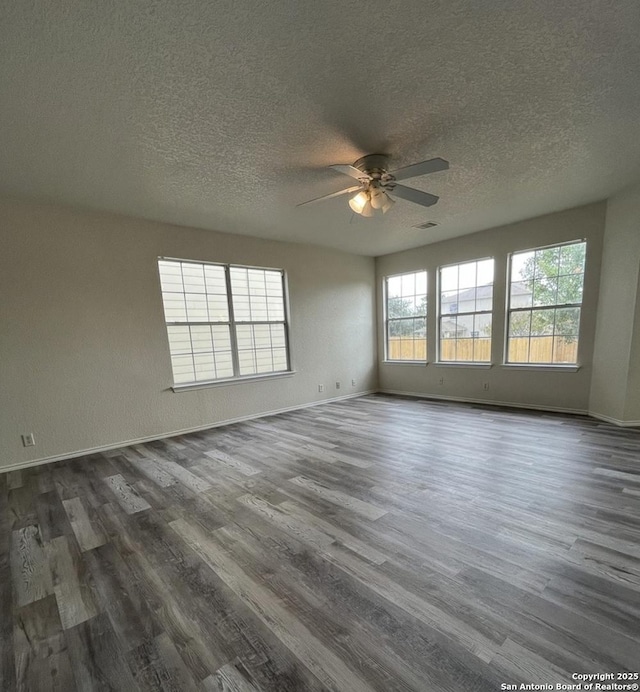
426, 224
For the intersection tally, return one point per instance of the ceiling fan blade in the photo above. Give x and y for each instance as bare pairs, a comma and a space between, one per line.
423, 198
430, 166
354, 172
346, 191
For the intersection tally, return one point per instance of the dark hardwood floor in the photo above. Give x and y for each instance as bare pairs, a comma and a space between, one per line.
378, 543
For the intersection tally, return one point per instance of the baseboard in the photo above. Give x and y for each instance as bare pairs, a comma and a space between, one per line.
199, 428
615, 421
486, 402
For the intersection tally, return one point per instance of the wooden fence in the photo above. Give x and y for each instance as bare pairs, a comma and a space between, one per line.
538, 349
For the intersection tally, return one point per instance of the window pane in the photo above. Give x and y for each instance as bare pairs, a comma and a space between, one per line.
572, 258
482, 326
239, 281
279, 359
179, 340
183, 370
195, 294
247, 363
467, 274
201, 340
275, 308
467, 300
262, 336
193, 278
541, 349
518, 350
408, 285
449, 303
467, 290
204, 366
215, 280
520, 323
522, 266
175, 309
570, 289
218, 308
545, 290
407, 339
555, 278
394, 287
567, 321
485, 273
197, 310
171, 276
224, 365
406, 310
449, 278
278, 338
521, 294
547, 262
542, 322
241, 308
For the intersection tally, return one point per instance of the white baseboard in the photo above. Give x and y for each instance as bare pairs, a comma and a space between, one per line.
486, 402
615, 421
150, 438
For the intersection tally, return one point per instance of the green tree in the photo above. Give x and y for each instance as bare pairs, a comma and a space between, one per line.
407, 317
553, 276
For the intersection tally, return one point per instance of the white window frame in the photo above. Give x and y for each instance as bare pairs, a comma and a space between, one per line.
387, 319
464, 314
232, 323
510, 310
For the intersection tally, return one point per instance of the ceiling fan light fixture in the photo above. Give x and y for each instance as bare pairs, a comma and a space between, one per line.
387, 203
367, 210
377, 198
359, 201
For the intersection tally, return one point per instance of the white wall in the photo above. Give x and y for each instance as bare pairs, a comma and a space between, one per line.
84, 360
534, 387
615, 388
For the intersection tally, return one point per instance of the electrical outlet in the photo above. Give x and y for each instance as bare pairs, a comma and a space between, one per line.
338, 385
28, 440
321, 388
353, 383
485, 386
441, 381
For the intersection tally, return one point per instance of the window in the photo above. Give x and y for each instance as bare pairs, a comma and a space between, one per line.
466, 302
223, 321
545, 298
406, 316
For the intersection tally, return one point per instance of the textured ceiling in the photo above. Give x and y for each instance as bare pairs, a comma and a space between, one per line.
224, 114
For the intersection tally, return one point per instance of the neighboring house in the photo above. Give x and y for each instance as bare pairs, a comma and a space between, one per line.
476, 300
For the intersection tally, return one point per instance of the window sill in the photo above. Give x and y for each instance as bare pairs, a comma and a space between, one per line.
177, 388
541, 366
454, 364
419, 363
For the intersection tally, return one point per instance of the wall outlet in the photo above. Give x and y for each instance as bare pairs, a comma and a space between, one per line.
353, 383
321, 388
485, 386
441, 380
28, 440
338, 385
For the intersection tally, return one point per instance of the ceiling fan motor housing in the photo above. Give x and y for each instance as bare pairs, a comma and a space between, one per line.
375, 165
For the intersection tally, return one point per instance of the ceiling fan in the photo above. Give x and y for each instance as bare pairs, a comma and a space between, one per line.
375, 181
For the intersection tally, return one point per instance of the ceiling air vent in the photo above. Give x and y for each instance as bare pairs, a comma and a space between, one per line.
426, 224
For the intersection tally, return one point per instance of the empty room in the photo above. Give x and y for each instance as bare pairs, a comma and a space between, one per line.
319, 346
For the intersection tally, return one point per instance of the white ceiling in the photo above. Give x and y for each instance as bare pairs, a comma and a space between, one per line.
224, 114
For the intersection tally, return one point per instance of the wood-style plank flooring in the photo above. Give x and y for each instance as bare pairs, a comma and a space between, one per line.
378, 543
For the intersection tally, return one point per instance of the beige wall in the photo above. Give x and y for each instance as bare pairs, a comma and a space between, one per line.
535, 387
615, 387
84, 360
